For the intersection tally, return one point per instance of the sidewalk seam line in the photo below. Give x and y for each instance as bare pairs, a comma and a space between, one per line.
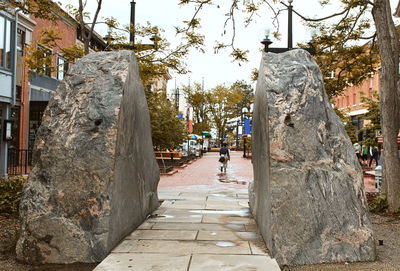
190, 262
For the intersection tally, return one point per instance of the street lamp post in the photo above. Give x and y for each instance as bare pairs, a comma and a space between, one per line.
237, 134
132, 32
202, 116
267, 42
290, 33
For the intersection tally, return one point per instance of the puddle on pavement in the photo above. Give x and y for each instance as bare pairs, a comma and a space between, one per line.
226, 244
242, 213
74, 267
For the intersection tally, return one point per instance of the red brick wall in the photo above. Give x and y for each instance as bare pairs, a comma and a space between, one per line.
68, 35
351, 96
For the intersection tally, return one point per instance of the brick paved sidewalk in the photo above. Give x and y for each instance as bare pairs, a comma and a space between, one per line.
205, 172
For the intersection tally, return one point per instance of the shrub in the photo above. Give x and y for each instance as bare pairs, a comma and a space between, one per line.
379, 204
10, 195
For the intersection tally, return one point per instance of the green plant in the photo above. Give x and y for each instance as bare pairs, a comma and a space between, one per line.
379, 204
10, 195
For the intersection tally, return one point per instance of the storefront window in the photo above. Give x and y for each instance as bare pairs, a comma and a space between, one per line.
5, 43
2, 26
8, 45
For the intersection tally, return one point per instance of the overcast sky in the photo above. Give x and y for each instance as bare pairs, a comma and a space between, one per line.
214, 68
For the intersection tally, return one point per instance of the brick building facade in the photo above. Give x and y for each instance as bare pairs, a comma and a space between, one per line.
29, 93
350, 101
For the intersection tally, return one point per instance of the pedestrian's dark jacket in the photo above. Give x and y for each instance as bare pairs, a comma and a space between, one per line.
224, 150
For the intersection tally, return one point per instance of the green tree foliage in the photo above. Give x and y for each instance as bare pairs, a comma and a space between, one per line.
201, 109
348, 126
344, 53
222, 103
38, 8
38, 58
373, 119
167, 131
244, 94
160, 57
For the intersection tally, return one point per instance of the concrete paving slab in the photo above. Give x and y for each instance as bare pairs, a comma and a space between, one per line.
202, 224
219, 198
144, 262
242, 195
168, 195
125, 246
163, 235
198, 226
226, 219
244, 203
184, 204
146, 226
245, 212
195, 195
176, 218
223, 205
258, 248
232, 263
190, 247
228, 235
251, 227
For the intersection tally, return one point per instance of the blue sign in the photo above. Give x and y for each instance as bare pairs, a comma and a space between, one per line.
180, 116
247, 126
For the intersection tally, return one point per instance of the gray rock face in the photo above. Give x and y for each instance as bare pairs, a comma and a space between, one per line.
95, 176
308, 197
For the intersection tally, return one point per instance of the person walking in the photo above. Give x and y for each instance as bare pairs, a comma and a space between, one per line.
357, 150
364, 155
373, 152
224, 157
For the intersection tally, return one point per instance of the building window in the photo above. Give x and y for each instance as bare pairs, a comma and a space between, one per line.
46, 65
5, 43
62, 67
354, 96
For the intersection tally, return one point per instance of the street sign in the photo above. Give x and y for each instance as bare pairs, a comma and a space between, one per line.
247, 126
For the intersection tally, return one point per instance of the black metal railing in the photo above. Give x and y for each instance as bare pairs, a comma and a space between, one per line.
19, 162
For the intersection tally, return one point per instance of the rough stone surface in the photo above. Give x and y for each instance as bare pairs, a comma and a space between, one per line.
307, 197
95, 175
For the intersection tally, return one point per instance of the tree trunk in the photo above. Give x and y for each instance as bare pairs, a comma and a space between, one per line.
388, 42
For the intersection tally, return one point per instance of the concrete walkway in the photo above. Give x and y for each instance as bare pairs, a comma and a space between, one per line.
197, 227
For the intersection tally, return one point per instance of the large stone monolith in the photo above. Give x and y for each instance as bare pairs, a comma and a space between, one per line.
308, 194
95, 175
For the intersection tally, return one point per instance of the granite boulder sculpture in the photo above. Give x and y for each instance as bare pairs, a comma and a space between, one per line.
95, 175
308, 194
